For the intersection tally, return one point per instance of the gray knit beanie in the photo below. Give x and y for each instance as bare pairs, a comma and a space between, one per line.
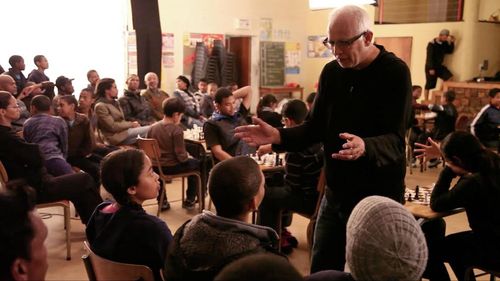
384, 242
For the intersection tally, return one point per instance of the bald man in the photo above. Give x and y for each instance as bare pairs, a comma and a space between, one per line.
154, 95
361, 113
8, 84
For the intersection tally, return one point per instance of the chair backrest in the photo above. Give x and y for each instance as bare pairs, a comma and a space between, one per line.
99, 268
463, 123
3, 177
152, 150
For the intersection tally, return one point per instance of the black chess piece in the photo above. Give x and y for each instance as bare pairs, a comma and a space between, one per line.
417, 191
409, 197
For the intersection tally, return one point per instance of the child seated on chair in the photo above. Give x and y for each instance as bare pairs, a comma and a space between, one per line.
174, 158
205, 244
123, 231
298, 191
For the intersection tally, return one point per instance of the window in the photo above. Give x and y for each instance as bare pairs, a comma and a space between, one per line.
418, 11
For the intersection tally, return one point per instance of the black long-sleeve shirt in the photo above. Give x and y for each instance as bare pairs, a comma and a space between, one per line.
436, 51
129, 235
373, 103
478, 197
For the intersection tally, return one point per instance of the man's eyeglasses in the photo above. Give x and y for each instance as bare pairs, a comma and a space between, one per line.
14, 106
342, 43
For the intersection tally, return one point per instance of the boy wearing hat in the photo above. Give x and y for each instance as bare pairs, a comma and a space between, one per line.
434, 68
191, 115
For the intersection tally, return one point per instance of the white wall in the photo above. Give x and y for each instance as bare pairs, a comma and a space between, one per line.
75, 36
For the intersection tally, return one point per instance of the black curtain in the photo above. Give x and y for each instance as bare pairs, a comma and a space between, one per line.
146, 20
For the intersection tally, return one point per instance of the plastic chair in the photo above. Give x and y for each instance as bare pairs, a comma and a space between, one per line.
99, 268
65, 204
152, 150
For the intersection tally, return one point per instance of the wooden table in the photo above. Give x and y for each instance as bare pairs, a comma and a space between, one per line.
425, 211
282, 90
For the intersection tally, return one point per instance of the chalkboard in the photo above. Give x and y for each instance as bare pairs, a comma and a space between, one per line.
272, 60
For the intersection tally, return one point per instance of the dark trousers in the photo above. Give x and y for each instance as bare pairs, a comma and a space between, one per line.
279, 198
189, 166
328, 250
79, 188
464, 249
434, 231
89, 165
58, 167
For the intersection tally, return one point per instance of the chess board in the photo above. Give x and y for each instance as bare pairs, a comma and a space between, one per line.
422, 197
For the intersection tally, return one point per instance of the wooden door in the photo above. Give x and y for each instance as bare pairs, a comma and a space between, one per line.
241, 48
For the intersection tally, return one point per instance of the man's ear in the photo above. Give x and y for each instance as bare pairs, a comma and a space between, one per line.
368, 37
252, 205
19, 269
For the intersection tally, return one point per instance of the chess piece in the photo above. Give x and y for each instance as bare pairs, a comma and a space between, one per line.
417, 191
409, 197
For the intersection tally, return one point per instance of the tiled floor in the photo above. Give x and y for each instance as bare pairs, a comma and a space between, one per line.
60, 269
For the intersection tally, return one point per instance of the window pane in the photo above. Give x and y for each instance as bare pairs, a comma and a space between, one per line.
412, 11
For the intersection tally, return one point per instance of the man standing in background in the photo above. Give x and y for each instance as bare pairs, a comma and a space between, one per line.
434, 68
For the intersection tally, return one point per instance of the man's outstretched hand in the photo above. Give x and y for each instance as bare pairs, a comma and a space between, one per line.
258, 134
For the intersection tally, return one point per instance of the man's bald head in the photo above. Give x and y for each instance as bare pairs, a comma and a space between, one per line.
8, 84
351, 18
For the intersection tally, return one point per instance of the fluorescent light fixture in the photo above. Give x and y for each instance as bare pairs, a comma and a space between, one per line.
329, 4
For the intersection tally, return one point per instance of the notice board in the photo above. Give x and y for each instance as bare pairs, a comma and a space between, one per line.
272, 61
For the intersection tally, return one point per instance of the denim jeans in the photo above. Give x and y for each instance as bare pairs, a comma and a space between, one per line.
328, 250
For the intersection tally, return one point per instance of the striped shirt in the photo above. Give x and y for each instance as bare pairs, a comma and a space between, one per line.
303, 168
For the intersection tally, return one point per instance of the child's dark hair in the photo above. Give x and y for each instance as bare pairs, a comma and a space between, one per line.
232, 184
70, 99
266, 100
464, 150
41, 103
120, 170
221, 94
295, 110
310, 98
449, 96
103, 85
173, 105
415, 87
493, 92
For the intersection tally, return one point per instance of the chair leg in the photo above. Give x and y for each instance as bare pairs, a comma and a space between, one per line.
201, 198
183, 190
280, 226
67, 226
162, 197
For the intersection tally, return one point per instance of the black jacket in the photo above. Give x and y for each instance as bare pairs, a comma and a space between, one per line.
373, 103
436, 52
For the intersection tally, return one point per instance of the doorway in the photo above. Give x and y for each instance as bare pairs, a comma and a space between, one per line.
240, 46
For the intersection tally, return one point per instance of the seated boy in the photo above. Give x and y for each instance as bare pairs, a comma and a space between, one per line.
51, 133
80, 138
207, 106
170, 137
219, 129
302, 170
205, 244
486, 125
